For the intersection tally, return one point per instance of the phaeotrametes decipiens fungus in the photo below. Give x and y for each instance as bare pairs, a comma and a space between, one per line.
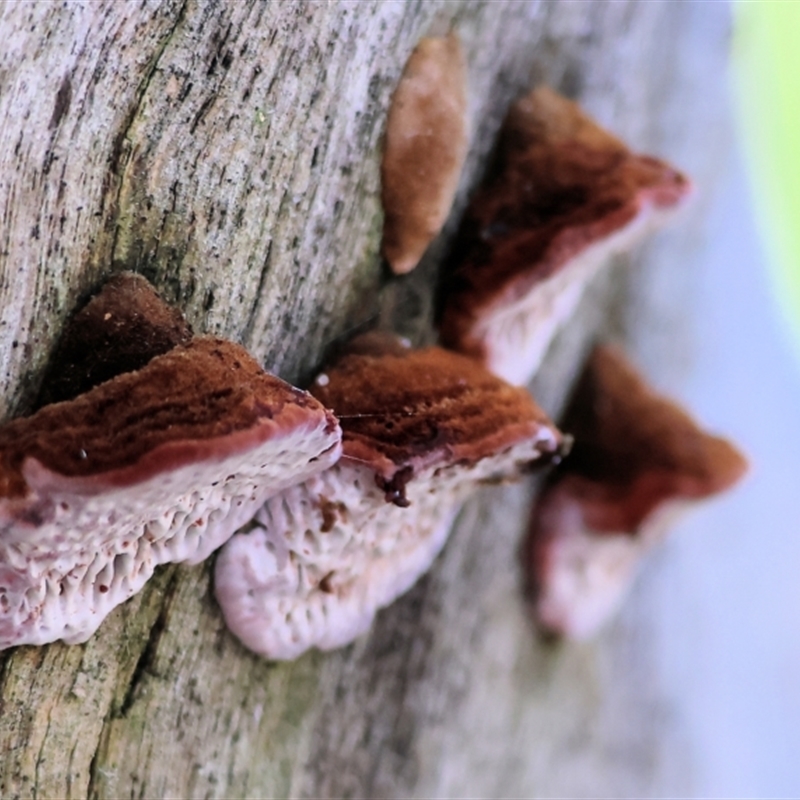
424, 149
637, 460
564, 196
420, 429
158, 465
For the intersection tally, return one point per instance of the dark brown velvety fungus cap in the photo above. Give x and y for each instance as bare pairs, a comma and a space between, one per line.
421, 430
158, 465
424, 149
119, 330
637, 448
402, 410
636, 458
562, 197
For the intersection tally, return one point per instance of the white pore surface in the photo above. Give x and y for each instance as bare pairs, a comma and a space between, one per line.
288, 585
60, 577
516, 335
586, 575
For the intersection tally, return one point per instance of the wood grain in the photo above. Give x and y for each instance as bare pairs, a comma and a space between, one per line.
230, 152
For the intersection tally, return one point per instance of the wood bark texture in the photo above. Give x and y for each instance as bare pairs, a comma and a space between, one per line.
229, 151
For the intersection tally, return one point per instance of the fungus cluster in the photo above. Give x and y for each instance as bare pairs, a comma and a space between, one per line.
420, 430
153, 446
637, 460
564, 195
157, 465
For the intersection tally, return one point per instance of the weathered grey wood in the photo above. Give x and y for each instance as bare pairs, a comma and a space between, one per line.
229, 151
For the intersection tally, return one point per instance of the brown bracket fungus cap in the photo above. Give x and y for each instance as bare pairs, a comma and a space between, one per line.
119, 330
424, 149
420, 429
154, 466
637, 459
563, 197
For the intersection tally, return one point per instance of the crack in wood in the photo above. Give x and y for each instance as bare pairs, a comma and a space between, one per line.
40, 759
144, 666
142, 670
116, 166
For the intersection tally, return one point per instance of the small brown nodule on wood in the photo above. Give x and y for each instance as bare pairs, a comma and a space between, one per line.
122, 328
424, 149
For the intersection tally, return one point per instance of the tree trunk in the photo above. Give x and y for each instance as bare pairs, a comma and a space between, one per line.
230, 153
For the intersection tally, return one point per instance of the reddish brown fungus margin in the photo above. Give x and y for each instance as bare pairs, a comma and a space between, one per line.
155, 465
563, 196
420, 430
637, 458
424, 149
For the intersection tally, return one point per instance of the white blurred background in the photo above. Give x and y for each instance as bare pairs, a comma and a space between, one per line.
728, 584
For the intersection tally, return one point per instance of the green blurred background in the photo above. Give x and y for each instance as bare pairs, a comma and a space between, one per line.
766, 59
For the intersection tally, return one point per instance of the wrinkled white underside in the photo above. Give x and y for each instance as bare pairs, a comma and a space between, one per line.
516, 336
287, 585
585, 576
61, 578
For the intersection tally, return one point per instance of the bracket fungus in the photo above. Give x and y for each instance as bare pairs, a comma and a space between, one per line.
637, 460
123, 327
157, 465
424, 149
420, 429
564, 195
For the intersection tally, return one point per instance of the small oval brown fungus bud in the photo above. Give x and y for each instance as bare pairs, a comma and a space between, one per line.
420, 430
119, 330
154, 466
636, 460
424, 149
563, 197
